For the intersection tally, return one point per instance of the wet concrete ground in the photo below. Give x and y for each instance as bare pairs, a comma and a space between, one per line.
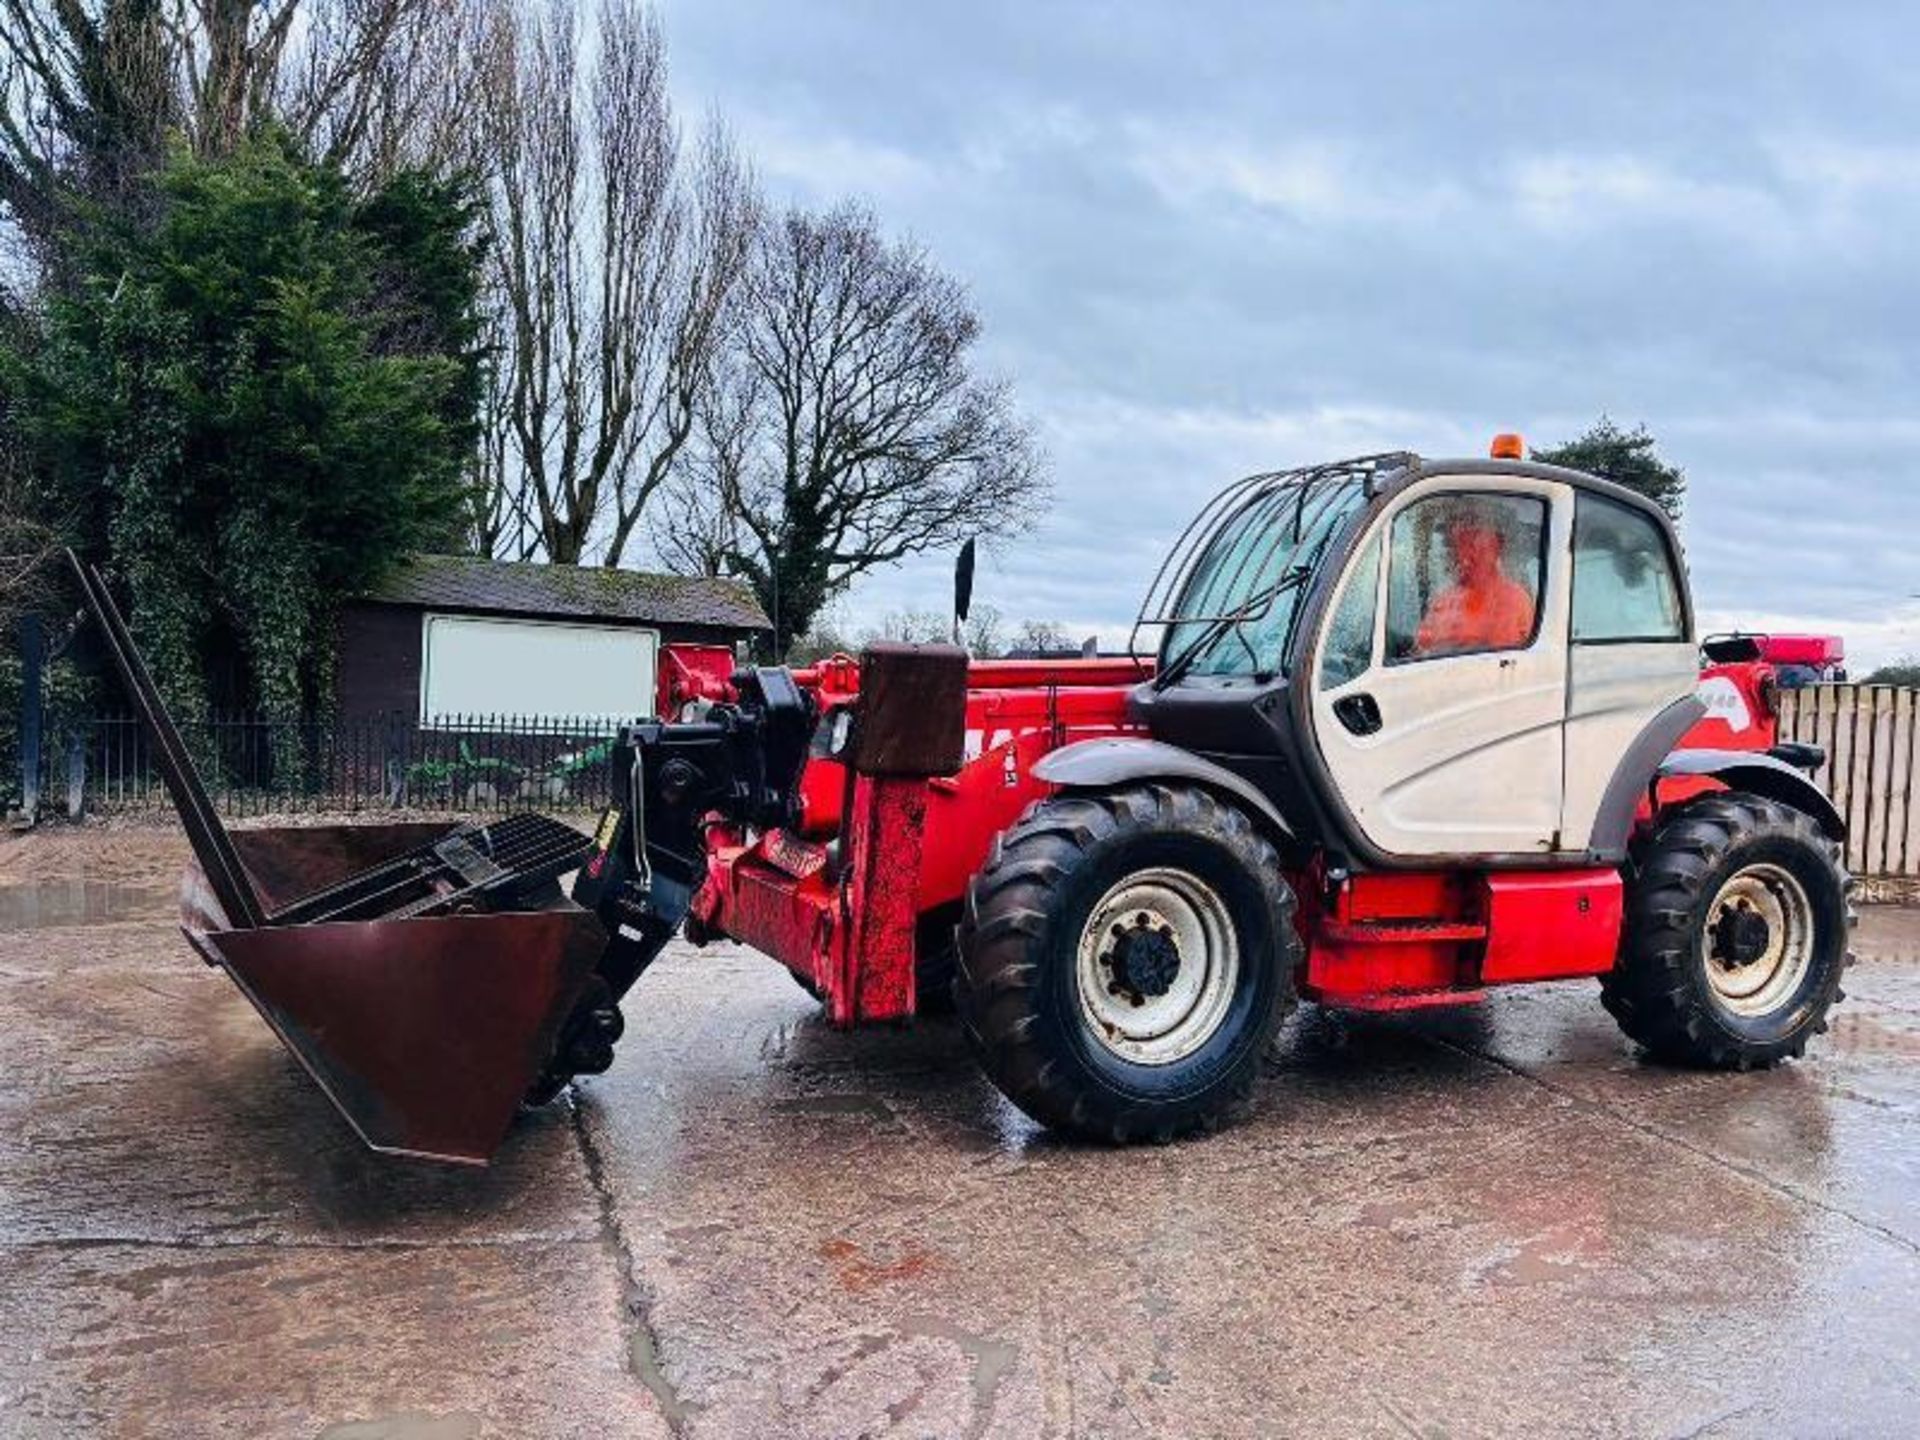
1491, 1222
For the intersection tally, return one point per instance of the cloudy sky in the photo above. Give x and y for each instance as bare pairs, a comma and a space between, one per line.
1210, 239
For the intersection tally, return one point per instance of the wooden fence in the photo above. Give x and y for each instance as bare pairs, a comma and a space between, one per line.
1870, 734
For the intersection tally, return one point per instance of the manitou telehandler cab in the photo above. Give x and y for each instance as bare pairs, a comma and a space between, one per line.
1395, 731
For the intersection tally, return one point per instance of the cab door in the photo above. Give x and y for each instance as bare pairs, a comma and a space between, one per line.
1631, 659
1440, 674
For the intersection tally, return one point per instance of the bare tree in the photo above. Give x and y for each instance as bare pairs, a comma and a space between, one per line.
369, 84
1042, 636
699, 530
230, 53
613, 260
981, 634
859, 433
87, 96
91, 89
376, 86
828, 635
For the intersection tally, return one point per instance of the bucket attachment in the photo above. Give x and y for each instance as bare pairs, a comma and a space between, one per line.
427, 1033
424, 975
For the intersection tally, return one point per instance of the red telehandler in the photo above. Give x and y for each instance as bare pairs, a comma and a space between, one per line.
1394, 731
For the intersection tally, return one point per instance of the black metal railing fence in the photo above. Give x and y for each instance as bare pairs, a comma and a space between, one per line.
255, 765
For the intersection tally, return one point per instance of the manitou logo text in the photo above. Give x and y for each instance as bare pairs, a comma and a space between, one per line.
1725, 703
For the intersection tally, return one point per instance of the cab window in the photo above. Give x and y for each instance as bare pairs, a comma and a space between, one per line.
1349, 646
1624, 587
1463, 575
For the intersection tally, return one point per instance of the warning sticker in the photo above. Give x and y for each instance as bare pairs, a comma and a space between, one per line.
609, 827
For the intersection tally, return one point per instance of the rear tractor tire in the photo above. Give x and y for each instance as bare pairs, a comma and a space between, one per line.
1124, 960
1735, 937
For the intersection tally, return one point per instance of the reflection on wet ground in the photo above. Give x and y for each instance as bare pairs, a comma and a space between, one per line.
45, 904
1483, 1222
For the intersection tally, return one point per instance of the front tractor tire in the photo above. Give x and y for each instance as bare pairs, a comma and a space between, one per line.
1124, 959
1736, 935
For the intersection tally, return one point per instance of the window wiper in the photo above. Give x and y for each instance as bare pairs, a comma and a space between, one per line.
1254, 606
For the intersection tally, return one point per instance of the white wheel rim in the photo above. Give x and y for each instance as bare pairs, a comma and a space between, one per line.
1754, 974
1123, 959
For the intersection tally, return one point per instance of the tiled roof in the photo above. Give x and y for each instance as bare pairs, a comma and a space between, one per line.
459, 582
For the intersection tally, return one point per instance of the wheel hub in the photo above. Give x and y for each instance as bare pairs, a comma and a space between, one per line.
1145, 958
1741, 936
1157, 966
1758, 940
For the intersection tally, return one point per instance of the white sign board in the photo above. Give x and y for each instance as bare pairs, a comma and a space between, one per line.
541, 669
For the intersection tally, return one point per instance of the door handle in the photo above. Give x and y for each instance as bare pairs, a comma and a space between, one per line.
1359, 713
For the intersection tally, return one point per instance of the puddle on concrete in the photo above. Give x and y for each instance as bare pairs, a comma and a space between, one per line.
643, 1354
1853, 1033
992, 1357
50, 904
412, 1426
866, 1107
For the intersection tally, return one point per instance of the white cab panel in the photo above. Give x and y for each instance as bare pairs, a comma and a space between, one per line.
1632, 653
1469, 754
1612, 692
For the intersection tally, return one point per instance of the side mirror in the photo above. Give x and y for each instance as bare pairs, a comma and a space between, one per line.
962, 587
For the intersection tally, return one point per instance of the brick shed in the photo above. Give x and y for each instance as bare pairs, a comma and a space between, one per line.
453, 635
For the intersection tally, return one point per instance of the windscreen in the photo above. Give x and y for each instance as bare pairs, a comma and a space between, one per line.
1234, 585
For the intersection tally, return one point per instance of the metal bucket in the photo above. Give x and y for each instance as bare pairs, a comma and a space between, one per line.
421, 973
425, 1033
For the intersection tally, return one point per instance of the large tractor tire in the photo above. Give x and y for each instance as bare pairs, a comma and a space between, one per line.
1736, 935
1124, 960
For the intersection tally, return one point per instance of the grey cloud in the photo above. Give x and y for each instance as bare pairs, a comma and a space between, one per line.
1209, 239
